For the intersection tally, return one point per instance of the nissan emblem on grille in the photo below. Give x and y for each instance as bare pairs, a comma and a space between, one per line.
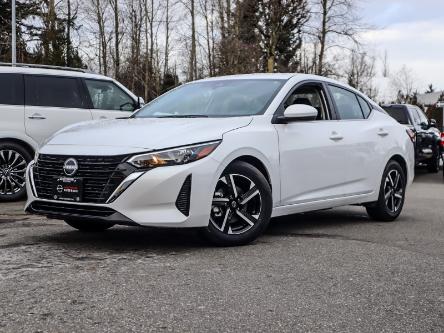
70, 167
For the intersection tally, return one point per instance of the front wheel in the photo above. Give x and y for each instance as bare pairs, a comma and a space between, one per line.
391, 194
241, 207
88, 226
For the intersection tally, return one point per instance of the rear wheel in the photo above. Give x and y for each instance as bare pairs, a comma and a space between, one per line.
88, 226
391, 194
241, 208
14, 159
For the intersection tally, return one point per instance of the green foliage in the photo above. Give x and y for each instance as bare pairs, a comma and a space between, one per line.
41, 34
25, 10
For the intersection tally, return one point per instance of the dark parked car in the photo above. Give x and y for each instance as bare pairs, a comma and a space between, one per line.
428, 145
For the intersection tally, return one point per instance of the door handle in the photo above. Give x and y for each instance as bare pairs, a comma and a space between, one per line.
382, 132
103, 117
37, 116
335, 136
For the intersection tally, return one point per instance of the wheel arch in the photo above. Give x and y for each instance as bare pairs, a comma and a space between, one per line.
257, 163
29, 148
402, 162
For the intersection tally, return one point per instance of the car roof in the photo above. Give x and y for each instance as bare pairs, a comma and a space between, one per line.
23, 69
271, 76
281, 76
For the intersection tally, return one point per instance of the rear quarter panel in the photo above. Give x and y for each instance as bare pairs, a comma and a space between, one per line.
398, 143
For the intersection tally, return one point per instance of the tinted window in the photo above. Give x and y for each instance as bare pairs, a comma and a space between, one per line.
106, 95
364, 106
399, 114
53, 91
218, 98
347, 104
11, 89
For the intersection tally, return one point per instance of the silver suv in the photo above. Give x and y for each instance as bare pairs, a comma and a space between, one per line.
37, 101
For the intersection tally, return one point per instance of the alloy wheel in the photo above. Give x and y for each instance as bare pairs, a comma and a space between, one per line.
12, 172
393, 191
237, 204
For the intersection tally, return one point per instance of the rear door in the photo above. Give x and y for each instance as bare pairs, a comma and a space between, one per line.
362, 137
108, 100
51, 103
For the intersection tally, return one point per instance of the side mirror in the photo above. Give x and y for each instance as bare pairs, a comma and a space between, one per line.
298, 112
432, 123
140, 102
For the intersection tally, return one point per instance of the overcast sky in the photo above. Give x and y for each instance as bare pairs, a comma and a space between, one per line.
412, 32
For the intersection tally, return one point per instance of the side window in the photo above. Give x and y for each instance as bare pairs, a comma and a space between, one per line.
415, 115
53, 91
347, 103
364, 107
422, 117
106, 95
11, 89
310, 95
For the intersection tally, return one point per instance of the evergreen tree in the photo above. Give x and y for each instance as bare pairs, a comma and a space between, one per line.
24, 11
280, 24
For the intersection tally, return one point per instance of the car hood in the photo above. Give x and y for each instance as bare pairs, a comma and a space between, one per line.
147, 133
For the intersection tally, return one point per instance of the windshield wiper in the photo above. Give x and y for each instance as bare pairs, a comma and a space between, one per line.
184, 116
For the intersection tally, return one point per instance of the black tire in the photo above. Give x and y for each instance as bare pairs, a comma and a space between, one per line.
14, 159
387, 210
251, 202
88, 226
433, 164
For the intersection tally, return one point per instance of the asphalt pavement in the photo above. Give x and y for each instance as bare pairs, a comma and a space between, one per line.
327, 271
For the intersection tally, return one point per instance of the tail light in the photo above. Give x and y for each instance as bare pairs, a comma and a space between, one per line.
442, 140
412, 135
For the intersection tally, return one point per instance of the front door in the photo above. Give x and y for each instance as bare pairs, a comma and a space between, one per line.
51, 103
311, 153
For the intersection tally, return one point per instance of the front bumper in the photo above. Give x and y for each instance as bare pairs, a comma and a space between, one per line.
151, 200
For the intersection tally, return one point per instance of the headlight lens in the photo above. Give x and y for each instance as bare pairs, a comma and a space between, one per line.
176, 156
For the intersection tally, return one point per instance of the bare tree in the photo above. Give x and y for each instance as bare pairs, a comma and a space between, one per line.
360, 72
404, 82
117, 36
192, 72
385, 65
333, 21
207, 8
167, 38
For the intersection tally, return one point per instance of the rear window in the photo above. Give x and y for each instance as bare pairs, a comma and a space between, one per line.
53, 91
364, 106
399, 114
11, 89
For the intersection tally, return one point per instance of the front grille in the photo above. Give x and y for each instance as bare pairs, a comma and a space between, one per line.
183, 199
101, 175
62, 209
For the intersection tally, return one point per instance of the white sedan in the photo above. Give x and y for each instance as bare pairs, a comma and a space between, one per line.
226, 154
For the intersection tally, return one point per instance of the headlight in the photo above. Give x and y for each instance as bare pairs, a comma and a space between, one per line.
176, 156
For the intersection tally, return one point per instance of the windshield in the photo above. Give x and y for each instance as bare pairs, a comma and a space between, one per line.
224, 98
398, 114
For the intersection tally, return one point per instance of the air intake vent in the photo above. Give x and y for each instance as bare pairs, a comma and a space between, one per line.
183, 199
